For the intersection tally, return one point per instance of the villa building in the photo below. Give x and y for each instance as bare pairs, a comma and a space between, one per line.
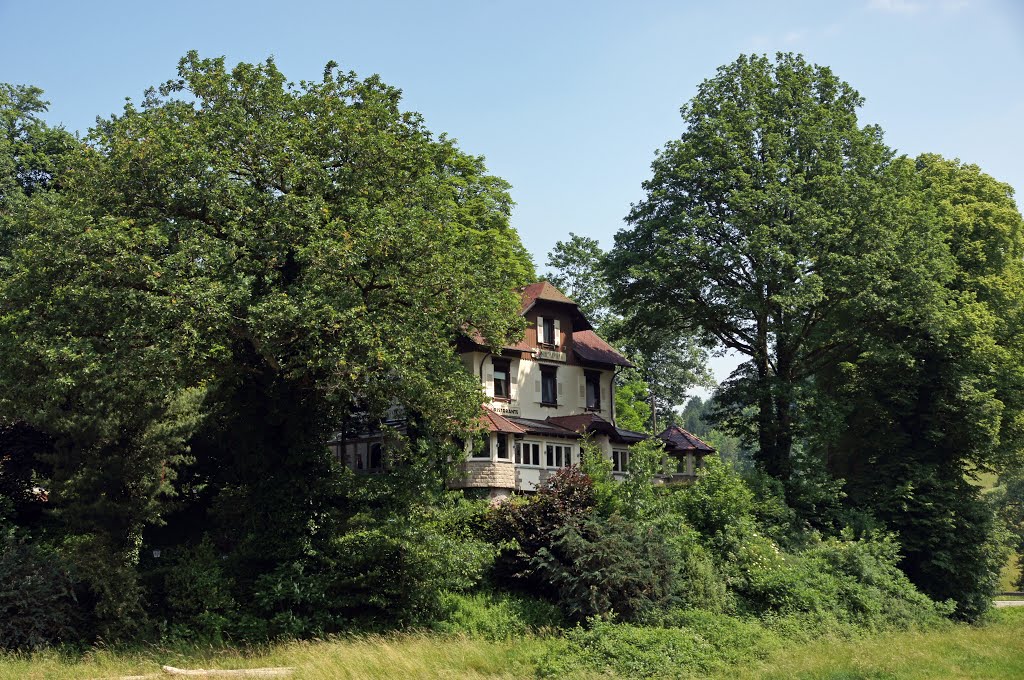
543, 394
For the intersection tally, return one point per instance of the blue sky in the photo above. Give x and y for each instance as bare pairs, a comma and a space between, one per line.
568, 101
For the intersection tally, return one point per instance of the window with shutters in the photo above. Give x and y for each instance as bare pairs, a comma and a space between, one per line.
502, 384
549, 385
547, 331
593, 390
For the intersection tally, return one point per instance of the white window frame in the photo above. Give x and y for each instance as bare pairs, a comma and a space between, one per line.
620, 460
522, 454
559, 456
497, 447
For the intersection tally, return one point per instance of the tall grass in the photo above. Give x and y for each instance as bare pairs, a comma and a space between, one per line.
407, 657
994, 650
1010, 574
991, 651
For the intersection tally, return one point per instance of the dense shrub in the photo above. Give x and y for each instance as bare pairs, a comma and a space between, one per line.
198, 594
372, 578
872, 591
701, 644
37, 603
496, 616
835, 581
606, 566
699, 583
718, 499
953, 545
293, 600
745, 553
522, 527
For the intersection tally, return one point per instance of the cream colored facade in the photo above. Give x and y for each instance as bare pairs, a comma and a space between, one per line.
525, 383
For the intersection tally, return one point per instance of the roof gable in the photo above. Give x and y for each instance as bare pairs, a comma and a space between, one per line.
542, 291
680, 439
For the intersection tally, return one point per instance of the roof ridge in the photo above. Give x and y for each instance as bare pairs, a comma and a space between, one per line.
689, 434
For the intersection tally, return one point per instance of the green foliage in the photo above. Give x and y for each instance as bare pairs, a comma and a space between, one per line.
879, 301
872, 591
31, 153
199, 597
666, 367
852, 583
382, 572
578, 271
494, 616
701, 644
524, 527
20, 474
630, 495
229, 271
632, 408
700, 584
635, 492
936, 383
726, 534
760, 223
598, 468
37, 601
1008, 501
606, 567
717, 500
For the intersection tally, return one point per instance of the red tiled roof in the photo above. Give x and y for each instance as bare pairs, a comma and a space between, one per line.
498, 423
590, 347
680, 439
592, 422
584, 422
542, 290
542, 427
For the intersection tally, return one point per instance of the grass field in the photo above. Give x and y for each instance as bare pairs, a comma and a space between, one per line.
1011, 572
992, 651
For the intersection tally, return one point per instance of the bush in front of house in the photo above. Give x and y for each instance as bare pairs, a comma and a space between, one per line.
198, 594
608, 565
496, 616
37, 601
631, 651
523, 526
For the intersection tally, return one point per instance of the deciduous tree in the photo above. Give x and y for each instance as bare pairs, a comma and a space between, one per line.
232, 268
761, 223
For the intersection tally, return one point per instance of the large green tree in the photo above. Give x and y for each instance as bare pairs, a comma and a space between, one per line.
31, 155
667, 365
934, 391
768, 216
231, 269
